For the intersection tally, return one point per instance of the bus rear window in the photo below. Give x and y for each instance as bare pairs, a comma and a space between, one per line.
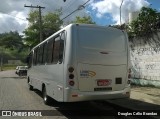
102, 39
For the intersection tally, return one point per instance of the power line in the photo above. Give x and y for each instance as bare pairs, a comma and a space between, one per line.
79, 8
40, 19
14, 16
68, 5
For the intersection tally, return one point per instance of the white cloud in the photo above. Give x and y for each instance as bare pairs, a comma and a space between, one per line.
113, 7
8, 23
16, 8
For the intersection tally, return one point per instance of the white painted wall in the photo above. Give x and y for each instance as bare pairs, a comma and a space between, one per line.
145, 59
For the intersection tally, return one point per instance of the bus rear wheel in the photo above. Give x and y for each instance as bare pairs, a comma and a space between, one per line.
46, 98
30, 86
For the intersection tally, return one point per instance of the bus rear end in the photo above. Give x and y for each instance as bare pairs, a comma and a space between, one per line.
101, 65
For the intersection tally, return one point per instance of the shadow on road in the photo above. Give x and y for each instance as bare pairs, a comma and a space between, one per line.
77, 110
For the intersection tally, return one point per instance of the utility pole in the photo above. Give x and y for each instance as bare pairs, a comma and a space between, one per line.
40, 19
120, 12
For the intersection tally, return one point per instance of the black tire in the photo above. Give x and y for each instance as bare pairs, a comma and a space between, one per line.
30, 86
46, 98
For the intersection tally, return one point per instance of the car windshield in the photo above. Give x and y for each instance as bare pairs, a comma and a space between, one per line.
22, 68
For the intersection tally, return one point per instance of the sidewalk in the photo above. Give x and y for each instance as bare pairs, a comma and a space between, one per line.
142, 98
146, 94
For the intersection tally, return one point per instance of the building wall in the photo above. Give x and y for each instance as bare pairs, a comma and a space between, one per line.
133, 16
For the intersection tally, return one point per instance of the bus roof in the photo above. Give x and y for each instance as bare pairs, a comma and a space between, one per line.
75, 24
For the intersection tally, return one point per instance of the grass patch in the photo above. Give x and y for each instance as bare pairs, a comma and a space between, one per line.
10, 67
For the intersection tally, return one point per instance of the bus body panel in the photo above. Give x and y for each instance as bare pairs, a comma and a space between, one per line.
51, 76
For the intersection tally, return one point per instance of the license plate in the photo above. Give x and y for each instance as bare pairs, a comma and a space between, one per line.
103, 82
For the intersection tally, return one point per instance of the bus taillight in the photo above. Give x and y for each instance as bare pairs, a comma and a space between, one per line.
129, 73
71, 76
129, 81
70, 69
71, 83
129, 76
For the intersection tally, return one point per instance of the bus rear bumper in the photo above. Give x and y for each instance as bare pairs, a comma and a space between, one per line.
76, 95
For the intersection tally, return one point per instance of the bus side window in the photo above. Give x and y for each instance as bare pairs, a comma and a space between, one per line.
44, 53
50, 51
56, 50
61, 48
30, 60
40, 54
35, 57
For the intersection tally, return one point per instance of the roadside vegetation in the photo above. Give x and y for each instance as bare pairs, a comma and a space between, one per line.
146, 24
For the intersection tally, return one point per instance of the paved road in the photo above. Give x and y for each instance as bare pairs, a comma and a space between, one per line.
14, 95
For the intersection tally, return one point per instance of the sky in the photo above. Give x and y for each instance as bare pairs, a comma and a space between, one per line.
13, 14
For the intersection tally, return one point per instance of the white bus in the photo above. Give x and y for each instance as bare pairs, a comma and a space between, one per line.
80, 63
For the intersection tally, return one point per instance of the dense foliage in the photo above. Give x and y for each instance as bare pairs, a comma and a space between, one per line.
50, 24
146, 24
84, 20
12, 46
11, 40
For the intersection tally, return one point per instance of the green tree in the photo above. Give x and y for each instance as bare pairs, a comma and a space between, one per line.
12, 47
32, 32
50, 24
84, 20
145, 24
11, 40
